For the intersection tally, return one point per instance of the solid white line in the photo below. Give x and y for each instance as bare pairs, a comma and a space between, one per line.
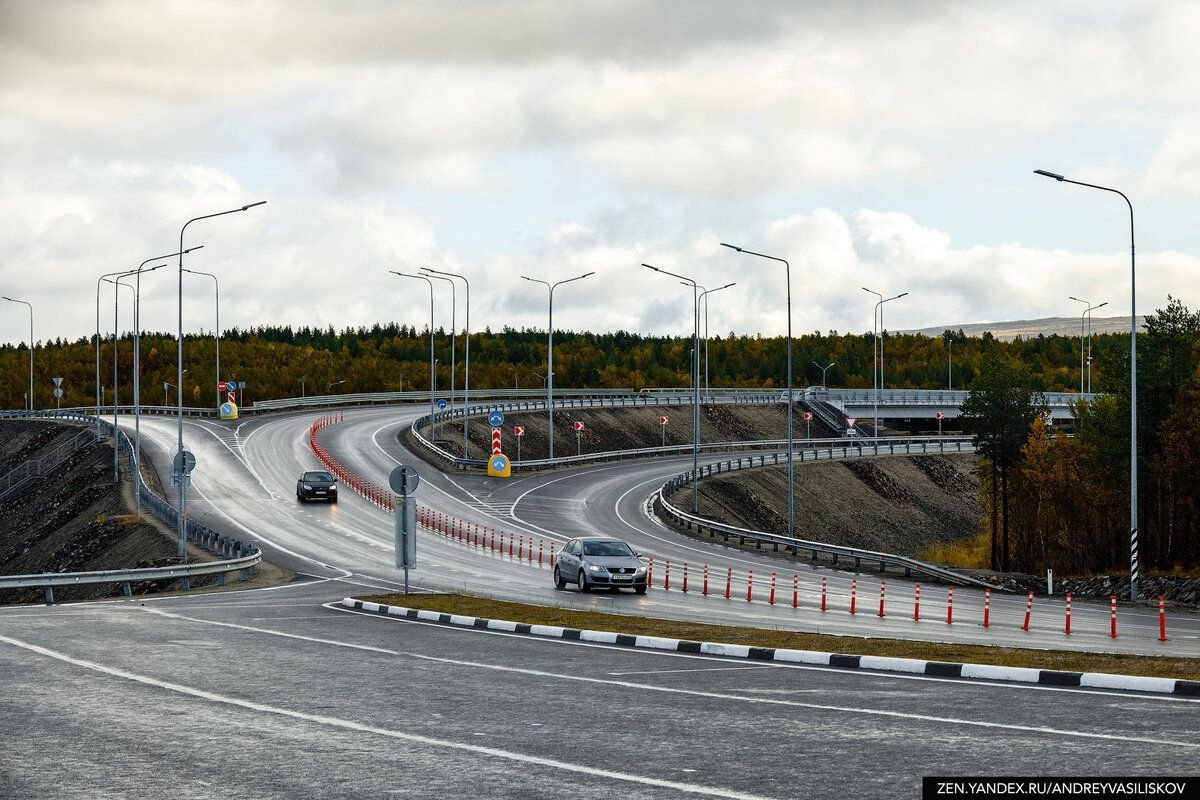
699, 669
671, 690
359, 727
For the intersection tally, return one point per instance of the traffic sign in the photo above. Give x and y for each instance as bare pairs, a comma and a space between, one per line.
496, 418
441, 404
499, 466
231, 386
228, 411
404, 479
184, 462
850, 421
57, 381
222, 386
58, 392
578, 426
807, 416
519, 430
940, 415
663, 420
495, 441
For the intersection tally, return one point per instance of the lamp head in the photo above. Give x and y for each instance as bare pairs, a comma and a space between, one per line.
731, 246
1054, 175
190, 249
252, 205
647, 266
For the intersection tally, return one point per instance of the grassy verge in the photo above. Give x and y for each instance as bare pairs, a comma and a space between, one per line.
1155, 666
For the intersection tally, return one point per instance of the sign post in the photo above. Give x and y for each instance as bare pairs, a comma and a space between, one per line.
58, 392
940, 416
228, 409
808, 424
519, 432
578, 434
404, 480
662, 421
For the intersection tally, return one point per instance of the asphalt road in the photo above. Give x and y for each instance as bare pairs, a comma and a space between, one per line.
245, 483
274, 693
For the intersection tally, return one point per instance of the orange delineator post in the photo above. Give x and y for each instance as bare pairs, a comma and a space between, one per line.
1162, 620
521, 549
510, 543
539, 552
685, 577
824, 592
494, 540
795, 590
853, 595
882, 587
771, 600
749, 586
917, 604
1028, 611
987, 607
650, 574
705, 593
667, 576
950, 605
728, 583
1067, 629
1113, 628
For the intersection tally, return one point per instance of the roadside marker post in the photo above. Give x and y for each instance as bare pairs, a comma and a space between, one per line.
1162, 620
950, 605
987, 607
882, 586
728, 583
824, 593
749, 586
1113, 630
917, 604
705, 593
685, 577
772, 599
1028, 611
853, 595
795, 590
1067, 629
667, 576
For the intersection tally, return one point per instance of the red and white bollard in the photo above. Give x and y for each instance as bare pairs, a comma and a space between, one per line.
521, 549
685, 577
882, 586
1112, 632
795, 590
824, 593
650, 574
1162, 620
1028, 611
1067, 627
950, 605
667, 577
510, 543
539, 552
706, 580
853, 595
917, 604
728, 583
987, 608
749, 586
494, 541
771, 600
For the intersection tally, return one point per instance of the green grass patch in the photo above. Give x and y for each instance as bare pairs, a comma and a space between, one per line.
1153, 666
972, 553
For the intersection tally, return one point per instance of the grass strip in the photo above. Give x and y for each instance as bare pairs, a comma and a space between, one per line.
1070, 661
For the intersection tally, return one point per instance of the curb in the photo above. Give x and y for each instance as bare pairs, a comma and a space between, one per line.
912, 666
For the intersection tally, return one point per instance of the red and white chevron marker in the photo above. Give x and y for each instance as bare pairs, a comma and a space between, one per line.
495, 441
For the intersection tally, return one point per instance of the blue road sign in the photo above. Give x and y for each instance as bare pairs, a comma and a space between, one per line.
499, 462
441, 404
496, 418
231, 386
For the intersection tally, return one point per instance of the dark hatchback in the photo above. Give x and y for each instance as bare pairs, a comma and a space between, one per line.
316, 486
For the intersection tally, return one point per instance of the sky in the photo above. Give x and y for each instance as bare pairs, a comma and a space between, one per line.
871, 144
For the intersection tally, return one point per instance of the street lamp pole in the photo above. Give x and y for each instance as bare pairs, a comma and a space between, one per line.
116, 282
177, 474
550, 354
467, 337
790, 437
695, 365
878, 315
217, 296
453, 328
1089, 340
1133, 470
823, 369
1082, 336
704, 296
329, 386
30, 305
432, 360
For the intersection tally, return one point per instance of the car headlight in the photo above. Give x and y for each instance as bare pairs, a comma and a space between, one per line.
595, 568
307, 488
641, 570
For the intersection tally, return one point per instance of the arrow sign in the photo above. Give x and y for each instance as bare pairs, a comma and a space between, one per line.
495, 418
519, 430
495, 441
807, 416
578, 426
663, 420
940, 415
441, 404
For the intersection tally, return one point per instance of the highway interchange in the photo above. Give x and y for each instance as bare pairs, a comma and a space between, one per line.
278, 692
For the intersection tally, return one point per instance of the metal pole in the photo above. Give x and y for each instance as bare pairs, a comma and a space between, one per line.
432, 360
30, 403
695, 369
217, 295
875, 356
453, 328
467, 337
950, 365
1133, 470
704, 296
790, 437
1082, 337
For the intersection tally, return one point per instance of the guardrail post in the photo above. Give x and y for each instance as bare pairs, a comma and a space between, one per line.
49, 595
126, 589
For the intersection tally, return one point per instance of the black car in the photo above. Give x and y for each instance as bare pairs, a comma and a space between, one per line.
316, 486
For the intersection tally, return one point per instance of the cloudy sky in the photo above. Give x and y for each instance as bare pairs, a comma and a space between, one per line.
880, 144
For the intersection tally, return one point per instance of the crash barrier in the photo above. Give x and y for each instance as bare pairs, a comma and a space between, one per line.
717, 581
44, 464
899, 446
233, 555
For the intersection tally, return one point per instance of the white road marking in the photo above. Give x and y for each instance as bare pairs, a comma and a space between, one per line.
351, 725
667, 671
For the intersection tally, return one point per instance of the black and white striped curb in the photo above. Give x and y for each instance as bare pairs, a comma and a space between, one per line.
1047, 677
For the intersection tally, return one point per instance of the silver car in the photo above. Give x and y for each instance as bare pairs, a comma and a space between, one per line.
592, 561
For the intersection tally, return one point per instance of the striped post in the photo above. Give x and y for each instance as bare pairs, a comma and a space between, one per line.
749, 586
540, 543
987, 608
1133, 545
795, 590
1067, 628
685, 577
650, 574
1113, 626
917, 604
705, 580
667, 576
728, 583
771, 601
950, 606
1028, 611
1162, 620
521, 549
882, 586
853, 595
824, 593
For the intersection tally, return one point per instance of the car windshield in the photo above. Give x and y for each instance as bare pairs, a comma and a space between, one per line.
318, 477
609, 548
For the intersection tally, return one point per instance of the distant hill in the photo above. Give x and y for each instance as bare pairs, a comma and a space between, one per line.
1030, 328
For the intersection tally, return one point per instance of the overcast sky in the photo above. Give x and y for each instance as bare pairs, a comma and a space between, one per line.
879, 144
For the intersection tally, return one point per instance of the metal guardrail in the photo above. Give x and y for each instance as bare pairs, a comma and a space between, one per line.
910, 446
41, 466
237, 556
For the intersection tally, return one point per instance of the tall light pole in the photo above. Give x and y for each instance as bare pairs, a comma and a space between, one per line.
1082, 337
1133, 470
116, 282
137, 376
790, 437
695, 383
217, 298
877, 318
432, 360
950, 364
550, 354
453, 328
178, 475
1089, 343
30, 305
329, 386
823, 369
704, 296
467, 337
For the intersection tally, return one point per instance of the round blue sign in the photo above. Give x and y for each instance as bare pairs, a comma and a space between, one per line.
441, 404
496, 418
226, 409
499, 463
231, 386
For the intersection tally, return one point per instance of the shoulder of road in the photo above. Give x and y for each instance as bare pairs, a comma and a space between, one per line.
1180, 676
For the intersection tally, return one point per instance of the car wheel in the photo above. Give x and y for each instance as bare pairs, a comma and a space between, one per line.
581, 582
299, 497
333, 499
640, 589
559, 583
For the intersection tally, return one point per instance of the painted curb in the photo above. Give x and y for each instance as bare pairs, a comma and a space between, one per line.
911, 666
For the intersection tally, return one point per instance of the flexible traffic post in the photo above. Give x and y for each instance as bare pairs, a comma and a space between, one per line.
667, 576
705, 592
539, 552
824, 593
853, 595
950, 605
510, 543
882, 586
795, 590
1113, 627
494, 540
685, 577
749, 586
1067, 627
771, 600
728, 583
650, 574
1162, 620
987, 607
1028, 611
917, 604
521, 549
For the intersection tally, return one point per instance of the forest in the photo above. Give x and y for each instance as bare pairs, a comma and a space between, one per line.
281, 361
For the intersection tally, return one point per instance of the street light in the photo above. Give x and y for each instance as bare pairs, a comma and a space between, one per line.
467, 338
1133, 511
453, 327
23, 302
877, 319
1086, 337
432, 361
790, 436
550, 354
167, 384
695, 383
704, 296
331, 385
823, 371
217, 296
178, 475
